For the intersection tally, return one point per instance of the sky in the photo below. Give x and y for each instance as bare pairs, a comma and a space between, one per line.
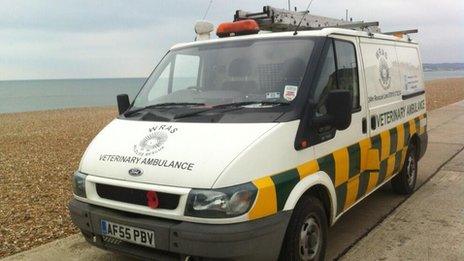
51, 39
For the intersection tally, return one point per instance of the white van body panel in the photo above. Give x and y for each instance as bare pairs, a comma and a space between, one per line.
201, 151
273, 153
323, 32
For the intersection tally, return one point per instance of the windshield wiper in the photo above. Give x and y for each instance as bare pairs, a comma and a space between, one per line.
238, 104
166, 104
176, 104
233, 106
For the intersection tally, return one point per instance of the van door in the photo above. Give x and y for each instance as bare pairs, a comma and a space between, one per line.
385, 104
340, 153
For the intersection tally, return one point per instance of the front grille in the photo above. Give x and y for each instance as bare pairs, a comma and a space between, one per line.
136, 196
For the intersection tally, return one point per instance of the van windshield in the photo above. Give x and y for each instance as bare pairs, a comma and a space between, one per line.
234, 72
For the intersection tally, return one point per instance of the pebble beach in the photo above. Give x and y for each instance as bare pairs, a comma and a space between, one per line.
40, 150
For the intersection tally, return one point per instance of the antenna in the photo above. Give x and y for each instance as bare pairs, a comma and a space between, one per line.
207, 10
289, 5
301, 20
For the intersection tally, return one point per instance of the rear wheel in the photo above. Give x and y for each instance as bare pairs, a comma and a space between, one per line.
405, 181
306, 236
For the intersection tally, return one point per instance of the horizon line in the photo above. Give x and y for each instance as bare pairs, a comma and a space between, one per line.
85, 78
139, 77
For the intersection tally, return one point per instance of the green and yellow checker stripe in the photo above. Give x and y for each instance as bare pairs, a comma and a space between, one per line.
347, 168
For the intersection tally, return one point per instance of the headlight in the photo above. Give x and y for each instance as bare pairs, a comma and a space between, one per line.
221, 203
79, 184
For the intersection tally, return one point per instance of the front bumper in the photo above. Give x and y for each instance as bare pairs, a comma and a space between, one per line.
253, 240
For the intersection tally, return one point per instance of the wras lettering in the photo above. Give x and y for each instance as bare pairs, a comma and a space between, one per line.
168, 128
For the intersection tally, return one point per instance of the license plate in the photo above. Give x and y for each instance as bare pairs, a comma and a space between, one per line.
127, 233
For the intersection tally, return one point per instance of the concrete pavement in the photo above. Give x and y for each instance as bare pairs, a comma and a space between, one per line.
347, 238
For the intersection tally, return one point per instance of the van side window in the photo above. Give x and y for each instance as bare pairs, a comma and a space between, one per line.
327, 81
347, 69
339, 71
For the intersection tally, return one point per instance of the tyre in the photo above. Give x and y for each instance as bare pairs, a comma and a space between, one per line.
306, 236
405, 181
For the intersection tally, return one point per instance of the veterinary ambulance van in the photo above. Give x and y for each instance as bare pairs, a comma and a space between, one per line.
249, 146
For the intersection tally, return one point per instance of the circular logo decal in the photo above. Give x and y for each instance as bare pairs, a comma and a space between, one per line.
384, 69
154, 141
151, 144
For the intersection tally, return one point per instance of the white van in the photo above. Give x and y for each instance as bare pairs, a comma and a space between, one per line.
249, 147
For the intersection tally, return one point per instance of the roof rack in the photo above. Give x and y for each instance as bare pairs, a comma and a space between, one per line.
278, 20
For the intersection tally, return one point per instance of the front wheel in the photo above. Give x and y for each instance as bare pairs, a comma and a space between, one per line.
306, 236
405, 181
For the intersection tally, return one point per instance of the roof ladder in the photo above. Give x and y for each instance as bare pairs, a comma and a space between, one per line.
277, 20
402, 32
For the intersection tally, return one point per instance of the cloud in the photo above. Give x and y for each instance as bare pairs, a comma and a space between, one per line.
82, 15
83, 38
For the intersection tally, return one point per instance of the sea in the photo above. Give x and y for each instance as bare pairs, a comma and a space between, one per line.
38, 95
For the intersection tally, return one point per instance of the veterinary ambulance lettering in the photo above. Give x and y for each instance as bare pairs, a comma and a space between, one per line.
388, 117
148, 161
397, 114
415, 107
154, 141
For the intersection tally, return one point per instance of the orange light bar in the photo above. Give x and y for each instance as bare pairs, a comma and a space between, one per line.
242, 27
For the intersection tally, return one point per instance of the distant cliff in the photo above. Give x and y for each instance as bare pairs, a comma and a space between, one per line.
443, 66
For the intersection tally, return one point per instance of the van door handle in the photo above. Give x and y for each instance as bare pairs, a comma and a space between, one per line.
364, 125
373, 123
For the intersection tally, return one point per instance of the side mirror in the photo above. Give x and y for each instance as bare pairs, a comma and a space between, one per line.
339, 104
123, 103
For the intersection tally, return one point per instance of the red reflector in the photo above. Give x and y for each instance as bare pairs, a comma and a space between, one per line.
304, 144
152, 199
242, 27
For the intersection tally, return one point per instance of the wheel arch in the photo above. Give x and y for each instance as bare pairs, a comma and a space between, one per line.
318, 185
414, 140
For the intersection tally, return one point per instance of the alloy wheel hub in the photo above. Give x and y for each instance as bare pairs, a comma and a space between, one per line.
310, 239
